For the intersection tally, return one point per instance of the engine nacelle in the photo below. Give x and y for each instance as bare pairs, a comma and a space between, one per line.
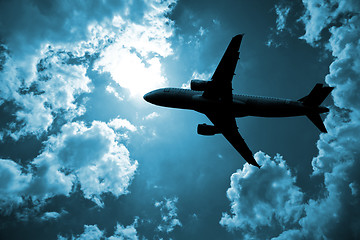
207, 130
198, 85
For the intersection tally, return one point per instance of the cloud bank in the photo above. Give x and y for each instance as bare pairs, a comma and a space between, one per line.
335, 212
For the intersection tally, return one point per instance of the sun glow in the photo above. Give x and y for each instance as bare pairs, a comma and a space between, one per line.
130, 71
134, 57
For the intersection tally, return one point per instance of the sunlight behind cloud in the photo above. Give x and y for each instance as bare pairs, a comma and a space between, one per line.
134, 58
130, 71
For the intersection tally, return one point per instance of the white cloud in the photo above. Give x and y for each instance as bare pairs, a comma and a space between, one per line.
319, 14
203, 31
118, 123
50, 91
8, 75
282, 13
263, 198
100, 163
92, 232
216, 22
17, 182
201, 76
168, 212
52, 215
275, 38
125, 232
112, 90
186, 85
151, 116
354, 188
90, 156
13, 183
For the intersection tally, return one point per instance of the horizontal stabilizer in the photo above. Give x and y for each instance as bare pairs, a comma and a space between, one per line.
316, 119
317, 95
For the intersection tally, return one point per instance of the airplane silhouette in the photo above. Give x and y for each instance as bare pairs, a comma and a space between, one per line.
215, 99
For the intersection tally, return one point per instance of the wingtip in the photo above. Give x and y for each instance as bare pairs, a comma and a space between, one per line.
241, 35
256, 165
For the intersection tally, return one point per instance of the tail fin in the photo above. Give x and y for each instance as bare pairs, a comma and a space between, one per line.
317, 95
315, 98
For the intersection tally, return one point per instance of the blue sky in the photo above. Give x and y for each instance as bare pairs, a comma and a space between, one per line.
83, 156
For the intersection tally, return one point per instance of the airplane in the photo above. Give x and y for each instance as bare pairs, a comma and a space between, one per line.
215, 99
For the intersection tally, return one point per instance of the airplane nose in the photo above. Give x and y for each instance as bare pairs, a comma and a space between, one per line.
147, 97
152, 97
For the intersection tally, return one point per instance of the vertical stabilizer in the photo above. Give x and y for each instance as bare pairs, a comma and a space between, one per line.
317, 95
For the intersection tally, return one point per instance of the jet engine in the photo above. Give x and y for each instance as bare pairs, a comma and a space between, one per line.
207, 130
198, 85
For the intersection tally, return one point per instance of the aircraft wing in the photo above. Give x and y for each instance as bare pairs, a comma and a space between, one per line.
220, 86
228, 127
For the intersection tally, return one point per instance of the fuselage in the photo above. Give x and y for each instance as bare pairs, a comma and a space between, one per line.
241, 106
